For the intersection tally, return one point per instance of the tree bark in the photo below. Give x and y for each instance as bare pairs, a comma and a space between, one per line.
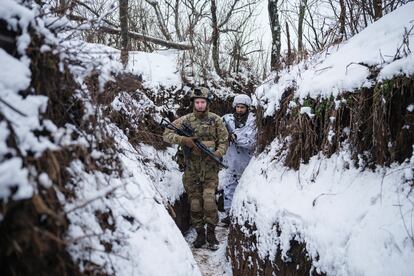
275, 30
123, 19
342, 15
302, 8
215, 38
377, 9
176, 20
289, 53
162, 42
160, 19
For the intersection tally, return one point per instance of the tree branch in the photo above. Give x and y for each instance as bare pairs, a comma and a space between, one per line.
162, 42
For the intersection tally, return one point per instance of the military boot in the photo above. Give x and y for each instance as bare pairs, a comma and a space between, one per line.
213, 243
201, 238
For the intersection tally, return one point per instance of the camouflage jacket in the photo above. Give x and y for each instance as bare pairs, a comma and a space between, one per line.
210, 130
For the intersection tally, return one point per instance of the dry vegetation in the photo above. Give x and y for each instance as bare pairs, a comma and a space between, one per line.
374, 122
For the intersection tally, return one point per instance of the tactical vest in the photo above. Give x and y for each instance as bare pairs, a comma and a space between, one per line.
205, 129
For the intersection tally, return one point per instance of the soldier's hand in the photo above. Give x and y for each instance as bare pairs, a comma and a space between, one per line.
217, 154
189, 142
196, 150
233, 137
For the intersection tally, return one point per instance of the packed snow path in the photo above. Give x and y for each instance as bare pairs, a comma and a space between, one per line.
211, 263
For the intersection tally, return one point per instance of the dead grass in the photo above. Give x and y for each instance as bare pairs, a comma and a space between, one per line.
33, 231
374, 121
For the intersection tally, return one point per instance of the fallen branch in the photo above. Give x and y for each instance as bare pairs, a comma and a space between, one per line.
320, 195
116, 30
138, 36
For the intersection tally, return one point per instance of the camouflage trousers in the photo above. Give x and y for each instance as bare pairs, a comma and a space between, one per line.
200, 182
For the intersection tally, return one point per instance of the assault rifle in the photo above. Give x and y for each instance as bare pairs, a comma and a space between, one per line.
186, 130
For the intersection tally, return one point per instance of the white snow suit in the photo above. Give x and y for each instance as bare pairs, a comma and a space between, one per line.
237, 156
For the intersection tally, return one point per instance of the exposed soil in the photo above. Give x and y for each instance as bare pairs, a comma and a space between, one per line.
245, 260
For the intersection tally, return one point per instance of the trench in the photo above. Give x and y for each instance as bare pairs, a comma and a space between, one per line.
210, 263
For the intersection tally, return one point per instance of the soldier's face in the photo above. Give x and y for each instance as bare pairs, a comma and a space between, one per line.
241, 109
200, 105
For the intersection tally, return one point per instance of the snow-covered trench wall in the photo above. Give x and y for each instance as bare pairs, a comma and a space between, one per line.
84, 185
331, 189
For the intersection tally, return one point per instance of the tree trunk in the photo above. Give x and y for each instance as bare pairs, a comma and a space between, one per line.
176, 20
275, 30
342, 15
215, 38
302, 7
377, 9
161, 21
289, 53
123, 19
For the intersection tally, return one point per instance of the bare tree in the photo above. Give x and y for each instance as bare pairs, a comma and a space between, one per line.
377, 9
123, 19
176, 20
342, 15
161, 21
276, 31
289, 49
215, 37
302, 8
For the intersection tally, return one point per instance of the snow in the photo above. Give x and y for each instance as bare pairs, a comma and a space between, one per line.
157, 68
14, 75
212, 263
15, 14
345, 67
20, 113
45, 180
353, 220
144, 239
168, 182
14, 176
356, 222
307, 110
148, 242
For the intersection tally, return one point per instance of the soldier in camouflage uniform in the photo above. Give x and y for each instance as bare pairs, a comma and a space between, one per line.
201, 173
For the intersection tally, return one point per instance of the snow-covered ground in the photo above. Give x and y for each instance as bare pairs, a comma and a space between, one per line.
212, 263
157, 69
353, 222
146, 240
357, 222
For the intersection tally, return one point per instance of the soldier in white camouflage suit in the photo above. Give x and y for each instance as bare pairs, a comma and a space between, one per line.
241, 126
201, 172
